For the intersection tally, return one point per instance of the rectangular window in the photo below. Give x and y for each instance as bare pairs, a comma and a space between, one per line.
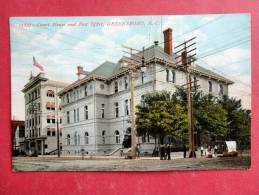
67, 98
195, 83
126, 84
77, 114
68, 117
116, 109
48, 132
116, 87
85, 91
54, 133
142, 77
74, 115
102, 110
167, 75
126, 107
173, 76
86, 112
77, 94
221, 89
48, 120
210, 86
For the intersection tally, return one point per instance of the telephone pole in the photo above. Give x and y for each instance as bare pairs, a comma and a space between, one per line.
135, 62
57, 121
186, 60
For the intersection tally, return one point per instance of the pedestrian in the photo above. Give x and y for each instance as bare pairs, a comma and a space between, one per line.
121, 152
168, 152
184, 151
138, 150
162, 152
202, 151
206, 151
215, 150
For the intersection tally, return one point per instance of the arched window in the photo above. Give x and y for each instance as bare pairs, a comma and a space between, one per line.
103, 136
86, 138
116, 87
117, 137
50, 93
210, 86
68, 139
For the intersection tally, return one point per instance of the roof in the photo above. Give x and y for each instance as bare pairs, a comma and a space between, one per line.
34, 80
210, 73
108, 70
158, 52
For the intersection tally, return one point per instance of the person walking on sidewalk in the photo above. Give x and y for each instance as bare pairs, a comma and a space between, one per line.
162, 152
168, 152
202, 151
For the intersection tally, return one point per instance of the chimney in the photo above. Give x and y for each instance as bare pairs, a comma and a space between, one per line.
80, 70
168, 46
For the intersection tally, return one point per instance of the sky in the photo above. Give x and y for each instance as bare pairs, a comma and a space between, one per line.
62, 43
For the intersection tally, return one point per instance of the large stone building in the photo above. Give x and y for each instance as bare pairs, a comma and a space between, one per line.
96, 107
41, 114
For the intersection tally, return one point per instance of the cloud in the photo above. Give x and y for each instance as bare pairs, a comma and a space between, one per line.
137, 41
112, 31
242, 90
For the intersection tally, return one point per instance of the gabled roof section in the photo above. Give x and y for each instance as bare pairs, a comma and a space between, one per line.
106, 69
209, 73
110, 70
156, 51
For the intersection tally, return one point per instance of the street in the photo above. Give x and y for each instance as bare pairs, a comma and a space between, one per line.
120, 164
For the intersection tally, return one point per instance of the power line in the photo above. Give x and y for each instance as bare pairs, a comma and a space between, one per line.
225, 73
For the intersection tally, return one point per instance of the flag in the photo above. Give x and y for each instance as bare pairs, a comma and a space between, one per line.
35, 63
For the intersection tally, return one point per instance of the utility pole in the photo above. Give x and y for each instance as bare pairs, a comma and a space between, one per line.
57, 122
133, 123
134, 63
185, 64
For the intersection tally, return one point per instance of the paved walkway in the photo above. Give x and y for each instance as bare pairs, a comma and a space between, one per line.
120, 164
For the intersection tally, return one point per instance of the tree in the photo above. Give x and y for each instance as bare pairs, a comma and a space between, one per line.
211, 121
158, 116
240, 120
210, 118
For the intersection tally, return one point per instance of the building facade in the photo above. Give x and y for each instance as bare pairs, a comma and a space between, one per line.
18, 134
96, 107
42, 114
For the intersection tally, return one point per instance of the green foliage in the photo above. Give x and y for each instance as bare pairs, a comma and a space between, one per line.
240, 120
158, 116
161, 113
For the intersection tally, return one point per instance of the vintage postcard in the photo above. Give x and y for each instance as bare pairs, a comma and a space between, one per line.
131, 93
